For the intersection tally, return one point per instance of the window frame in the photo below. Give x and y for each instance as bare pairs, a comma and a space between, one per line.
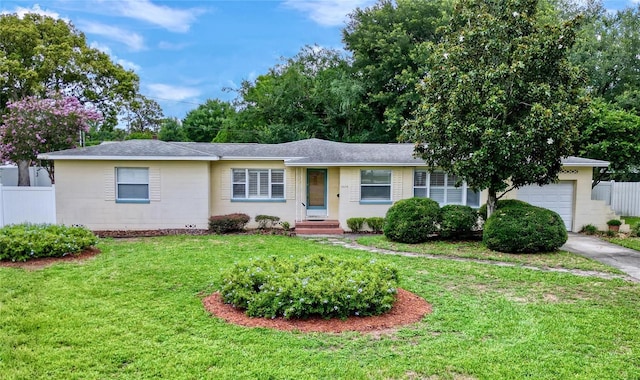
364, 200
259, 173
118, 182
446, 187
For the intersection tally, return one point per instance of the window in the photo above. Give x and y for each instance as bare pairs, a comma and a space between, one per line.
257, 184
441, 187
132, 184
375, 185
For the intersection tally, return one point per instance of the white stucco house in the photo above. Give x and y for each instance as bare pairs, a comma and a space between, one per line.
151, 184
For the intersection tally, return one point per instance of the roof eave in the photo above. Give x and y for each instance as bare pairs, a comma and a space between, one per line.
125, 158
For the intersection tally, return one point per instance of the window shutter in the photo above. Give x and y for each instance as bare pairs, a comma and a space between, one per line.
110, 184
154, 184
396, 185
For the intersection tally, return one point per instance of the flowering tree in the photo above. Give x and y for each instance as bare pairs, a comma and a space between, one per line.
33, 125
501, 104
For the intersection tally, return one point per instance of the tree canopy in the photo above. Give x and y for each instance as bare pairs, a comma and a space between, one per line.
501, 103
40, 54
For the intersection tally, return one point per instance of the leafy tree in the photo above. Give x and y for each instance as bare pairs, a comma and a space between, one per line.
203, 123
611, 134
607, 49
33, 126
313, 94
388, 42
500, 101
39, 54
143, 115
171, 130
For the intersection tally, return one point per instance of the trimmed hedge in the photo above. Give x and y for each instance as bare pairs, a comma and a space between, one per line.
312, 286
376, 223
482, 211
20, 242
524, 228
266, 221
412, 220
222, 224
355, 224
457, 221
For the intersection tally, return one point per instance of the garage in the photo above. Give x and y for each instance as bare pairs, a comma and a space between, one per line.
556, 196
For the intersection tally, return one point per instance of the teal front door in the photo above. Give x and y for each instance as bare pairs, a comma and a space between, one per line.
316, 192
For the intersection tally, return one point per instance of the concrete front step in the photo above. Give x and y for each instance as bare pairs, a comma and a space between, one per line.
319, 227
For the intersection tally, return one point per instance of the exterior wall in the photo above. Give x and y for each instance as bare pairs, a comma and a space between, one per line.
220, 198
85, 195
585, 210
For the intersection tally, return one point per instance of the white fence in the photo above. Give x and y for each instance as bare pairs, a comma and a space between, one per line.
27, 204
623, 197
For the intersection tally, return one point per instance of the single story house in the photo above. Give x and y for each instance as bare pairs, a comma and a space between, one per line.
151, 184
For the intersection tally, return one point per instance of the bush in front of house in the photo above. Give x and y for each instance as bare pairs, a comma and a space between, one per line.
524, 228
355, 224
222, 224
457, 221
267, 221
482, 211
412, 220
20, 242
311, 286
376, 223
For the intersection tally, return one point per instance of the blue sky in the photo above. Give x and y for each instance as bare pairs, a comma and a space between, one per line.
186, 52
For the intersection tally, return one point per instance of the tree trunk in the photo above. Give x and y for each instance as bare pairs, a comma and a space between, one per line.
492, 202
23, 173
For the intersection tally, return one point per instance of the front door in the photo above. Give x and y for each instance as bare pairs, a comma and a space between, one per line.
317, 192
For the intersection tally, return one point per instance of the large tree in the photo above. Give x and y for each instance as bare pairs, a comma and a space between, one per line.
40, 54
32, 126
387, 42
203, 123
500, 103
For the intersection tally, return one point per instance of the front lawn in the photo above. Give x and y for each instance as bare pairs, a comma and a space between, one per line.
135, 311
629, 242
631, 220
477, 250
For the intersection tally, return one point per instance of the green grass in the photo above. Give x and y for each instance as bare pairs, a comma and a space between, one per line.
629, 242
476, 250
631, 220
135, 312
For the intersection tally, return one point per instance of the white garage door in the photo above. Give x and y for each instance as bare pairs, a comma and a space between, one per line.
556, 196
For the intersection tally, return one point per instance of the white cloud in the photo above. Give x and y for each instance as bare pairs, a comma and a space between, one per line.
21, 11
175, 20
123, 62
170, 92
327, 12
172, 46
134, 41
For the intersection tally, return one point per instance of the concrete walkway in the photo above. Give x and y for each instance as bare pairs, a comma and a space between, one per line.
625, 259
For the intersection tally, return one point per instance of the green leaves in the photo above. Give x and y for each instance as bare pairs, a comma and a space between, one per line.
500, 101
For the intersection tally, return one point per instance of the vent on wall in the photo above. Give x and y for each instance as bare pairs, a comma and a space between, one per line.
572, 171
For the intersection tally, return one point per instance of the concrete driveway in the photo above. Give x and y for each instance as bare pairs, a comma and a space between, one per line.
625, 259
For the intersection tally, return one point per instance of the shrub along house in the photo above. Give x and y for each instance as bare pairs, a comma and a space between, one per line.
150, 184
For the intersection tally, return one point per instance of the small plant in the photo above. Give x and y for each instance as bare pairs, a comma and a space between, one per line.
635, 230
285, 225
266, 221
589, 229
376, 223
222, 224
457, 221
355, 224
611, 233
314, 285
614, 222
412, 220
21, 242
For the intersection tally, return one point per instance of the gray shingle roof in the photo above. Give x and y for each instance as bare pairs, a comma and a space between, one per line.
296, 153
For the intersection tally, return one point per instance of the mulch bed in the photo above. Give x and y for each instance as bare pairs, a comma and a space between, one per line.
408, 308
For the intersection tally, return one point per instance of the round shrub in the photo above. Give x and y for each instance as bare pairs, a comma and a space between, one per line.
457, 221
482, 211
523, 228
412, 220
312, 286
20, 242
